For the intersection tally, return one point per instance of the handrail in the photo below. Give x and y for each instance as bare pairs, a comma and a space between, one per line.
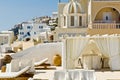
106, 25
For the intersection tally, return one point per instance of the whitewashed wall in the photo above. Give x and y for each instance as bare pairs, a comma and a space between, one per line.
40, 52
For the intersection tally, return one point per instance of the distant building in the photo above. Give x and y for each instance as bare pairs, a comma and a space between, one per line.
53, 22
31, 30
6, 37
54, 19
16, 28
43, 19
54, 15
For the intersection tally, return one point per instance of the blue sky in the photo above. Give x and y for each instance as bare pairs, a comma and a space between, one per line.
17, 11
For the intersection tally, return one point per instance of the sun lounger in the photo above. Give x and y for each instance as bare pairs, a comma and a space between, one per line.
42, 66
12, 75
41, 62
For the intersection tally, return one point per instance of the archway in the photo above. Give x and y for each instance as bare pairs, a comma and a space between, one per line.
107, 15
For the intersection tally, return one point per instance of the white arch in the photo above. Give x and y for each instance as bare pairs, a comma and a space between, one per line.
103, 8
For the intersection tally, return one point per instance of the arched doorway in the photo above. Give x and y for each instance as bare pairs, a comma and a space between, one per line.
107, 15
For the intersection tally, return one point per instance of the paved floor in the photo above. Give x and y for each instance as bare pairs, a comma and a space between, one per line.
108, 75
100, 75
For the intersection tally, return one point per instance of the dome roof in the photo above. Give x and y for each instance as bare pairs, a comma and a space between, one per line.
73, 7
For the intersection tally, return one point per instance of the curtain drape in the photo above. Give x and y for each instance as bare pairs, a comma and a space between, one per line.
74, 48
110, 47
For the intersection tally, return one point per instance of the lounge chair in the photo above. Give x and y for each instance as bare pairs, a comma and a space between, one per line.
13, 75
40, 62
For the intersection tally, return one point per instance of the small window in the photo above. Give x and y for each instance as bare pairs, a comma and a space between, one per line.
72, 20
34, 32
28, 33
41, 27
64, 21
28, 27
80, 20
106, 17
21, 33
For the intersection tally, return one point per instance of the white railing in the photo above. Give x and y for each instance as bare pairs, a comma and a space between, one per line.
106, 25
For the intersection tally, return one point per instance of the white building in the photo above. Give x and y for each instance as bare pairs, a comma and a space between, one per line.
6, 37
31, 30
53, 20
55, 15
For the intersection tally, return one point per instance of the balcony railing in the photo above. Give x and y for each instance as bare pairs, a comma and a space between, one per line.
106, 25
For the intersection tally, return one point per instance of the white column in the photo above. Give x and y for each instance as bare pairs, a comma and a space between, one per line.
62, 21
83, 20
68, 21
90, 14
75, 21
64, 66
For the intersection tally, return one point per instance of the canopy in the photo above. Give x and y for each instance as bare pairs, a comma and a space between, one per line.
109, 46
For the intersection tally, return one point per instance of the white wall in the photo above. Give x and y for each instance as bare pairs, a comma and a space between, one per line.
7, 36
34, 31
24, 29
55, 15
40, 52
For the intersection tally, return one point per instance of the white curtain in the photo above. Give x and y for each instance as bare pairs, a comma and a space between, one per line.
114, 52
102, 44
110, 47
91, 62
74, 48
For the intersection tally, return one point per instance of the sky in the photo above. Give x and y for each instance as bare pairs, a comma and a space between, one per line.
16, 11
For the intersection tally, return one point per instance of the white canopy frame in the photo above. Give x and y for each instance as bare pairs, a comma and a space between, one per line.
109, 45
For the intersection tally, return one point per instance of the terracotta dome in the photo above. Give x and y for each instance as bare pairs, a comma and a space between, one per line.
72, 7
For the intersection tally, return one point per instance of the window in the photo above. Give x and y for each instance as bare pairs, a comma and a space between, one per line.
80, 20
72, 20
28, 33
64, 21
28, 27
41, 27
34, 32
21, 33
106, 17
